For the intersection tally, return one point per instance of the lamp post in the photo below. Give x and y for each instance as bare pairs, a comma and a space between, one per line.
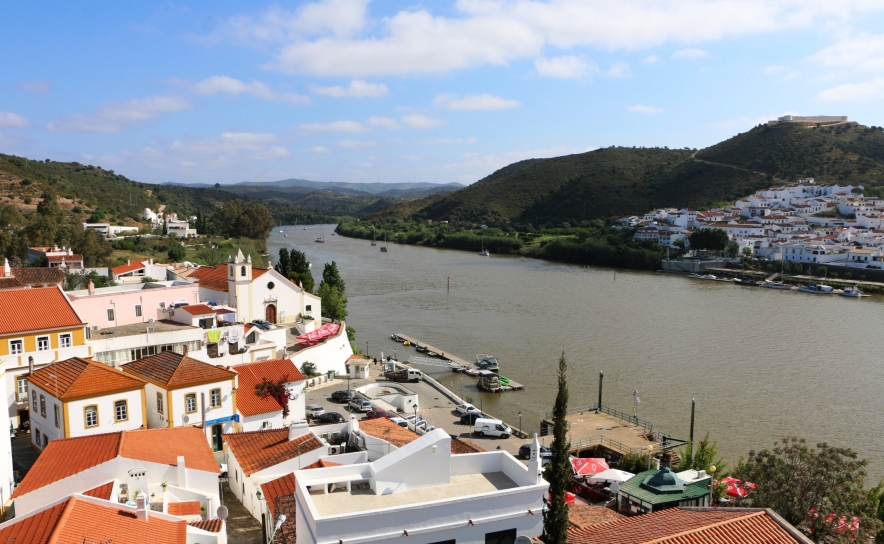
415, 417
520, 422
650, 449
461, 389
276, 527
712, 469
366, 350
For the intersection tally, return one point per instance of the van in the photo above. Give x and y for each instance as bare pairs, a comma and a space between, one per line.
492, 427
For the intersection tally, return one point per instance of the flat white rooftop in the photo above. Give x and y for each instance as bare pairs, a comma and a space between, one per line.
342, 501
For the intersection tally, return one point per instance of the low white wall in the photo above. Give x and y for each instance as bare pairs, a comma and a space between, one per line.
331, 355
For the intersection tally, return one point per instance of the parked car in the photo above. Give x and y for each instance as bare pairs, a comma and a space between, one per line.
329, 417
469, 418
422, 424
263, 325
359, 404
313, 410
466, 408
342, 396
399, 421
525, 453
492, 427
377, 413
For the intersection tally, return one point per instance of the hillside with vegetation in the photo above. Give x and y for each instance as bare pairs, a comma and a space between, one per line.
630, 181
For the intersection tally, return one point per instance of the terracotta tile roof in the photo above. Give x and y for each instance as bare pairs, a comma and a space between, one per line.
36, 309
76, 378
280, 487
79, 519
216, 278
257, 450
38, 276
66, 258
584, 515
184, 508
287, 533
460, 446
171, 370
387, 430
131, 267
101, 492
198, 309
678, 526
10, 283
210, 525
65, 457
252, 374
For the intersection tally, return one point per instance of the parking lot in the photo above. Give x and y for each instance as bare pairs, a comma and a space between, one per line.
434, 407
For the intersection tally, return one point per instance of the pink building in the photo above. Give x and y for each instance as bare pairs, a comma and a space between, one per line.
128, 304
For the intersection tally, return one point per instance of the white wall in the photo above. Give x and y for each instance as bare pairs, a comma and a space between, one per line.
106, 415
256, 423
331, 355
6, 479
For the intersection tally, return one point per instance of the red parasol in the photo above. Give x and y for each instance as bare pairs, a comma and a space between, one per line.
736, 488
588, 467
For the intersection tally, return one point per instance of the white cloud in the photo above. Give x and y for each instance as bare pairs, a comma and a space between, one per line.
749, 122
117, 116
618, 69
639, 108
339, 38
566, 67
204, 154
416, 120
651, 59
483, 102
864, 52
854, 91
39, 86
356, 144
690, 53
318, 150
235, 87
334, 126
13, 120
356, 89
383, 122
450, 141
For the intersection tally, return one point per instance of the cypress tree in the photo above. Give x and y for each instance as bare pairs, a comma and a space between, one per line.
558, 472
332, 277
284, 265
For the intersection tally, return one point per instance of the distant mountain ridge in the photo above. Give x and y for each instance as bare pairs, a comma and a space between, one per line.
373, 188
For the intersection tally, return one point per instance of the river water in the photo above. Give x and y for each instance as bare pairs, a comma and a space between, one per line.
760, 363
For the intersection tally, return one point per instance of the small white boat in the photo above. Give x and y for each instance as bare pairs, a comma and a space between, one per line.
777, 285
852, 292
484, 253
817, 289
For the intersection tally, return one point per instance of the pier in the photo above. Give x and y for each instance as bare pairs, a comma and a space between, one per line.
506, 384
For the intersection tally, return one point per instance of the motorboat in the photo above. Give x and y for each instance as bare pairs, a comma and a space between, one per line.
421, 349
396, 338
384, 247
853, 292
817, 289
747, 282
487, 362
777, 285
484, 253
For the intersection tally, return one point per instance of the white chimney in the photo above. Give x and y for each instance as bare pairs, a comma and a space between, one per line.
182, 472
141, 508
91, 288
298, 429
7, 271
128, 261
31, 365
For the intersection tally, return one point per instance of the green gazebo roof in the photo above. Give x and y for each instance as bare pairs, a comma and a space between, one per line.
660, 487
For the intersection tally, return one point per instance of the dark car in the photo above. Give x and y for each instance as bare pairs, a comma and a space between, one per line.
341, 396
329, 417
263, 325
377, 413
470, 418
525, 452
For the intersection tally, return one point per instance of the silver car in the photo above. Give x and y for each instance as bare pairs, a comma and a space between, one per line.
313, 410
359, 405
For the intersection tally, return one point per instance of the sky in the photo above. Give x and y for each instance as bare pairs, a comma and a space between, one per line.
366, 91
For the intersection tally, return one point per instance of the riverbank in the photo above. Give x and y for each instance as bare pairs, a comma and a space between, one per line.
592, 245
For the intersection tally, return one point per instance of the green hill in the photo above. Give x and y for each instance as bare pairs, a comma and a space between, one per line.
626, 181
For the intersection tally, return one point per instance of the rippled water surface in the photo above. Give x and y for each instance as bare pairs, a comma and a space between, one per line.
761, 363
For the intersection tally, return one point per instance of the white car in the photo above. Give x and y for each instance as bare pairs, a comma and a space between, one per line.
399, 421
466, 408
313, 410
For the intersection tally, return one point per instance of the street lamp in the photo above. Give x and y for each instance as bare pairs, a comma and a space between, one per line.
461, 389
280, 520
712, 469
520, 422
366, 350
415, 417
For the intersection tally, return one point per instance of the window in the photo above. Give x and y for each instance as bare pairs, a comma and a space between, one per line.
21, 384
91, 416
308, 308
242, 271
215, 398
42, 406
45, 440
121, 410
250, 339
65, 340
38, 437
160, 402
57, 424
42, 343
34, 401
507, 536
190, 403
16, 347
110, 314
138, 310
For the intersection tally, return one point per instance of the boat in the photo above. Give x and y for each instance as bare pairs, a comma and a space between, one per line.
384, 247
488, 381
321, 239
472, 371
487, 362
816, 289
373, 238
421, 349
777, 285
484, 252
748, 282
396, 338
406, 343
853, 292
432, 353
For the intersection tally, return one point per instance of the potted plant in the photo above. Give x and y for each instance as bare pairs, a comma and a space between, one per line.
164, 485
258, 494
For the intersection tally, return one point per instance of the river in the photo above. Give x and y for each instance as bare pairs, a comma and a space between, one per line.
760, 363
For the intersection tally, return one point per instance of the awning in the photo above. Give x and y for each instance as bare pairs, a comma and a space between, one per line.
611, 475
587, 467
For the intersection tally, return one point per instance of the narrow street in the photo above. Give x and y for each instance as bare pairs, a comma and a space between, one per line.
242, 528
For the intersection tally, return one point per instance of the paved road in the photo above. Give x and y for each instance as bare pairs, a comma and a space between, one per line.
436, 408
242, 528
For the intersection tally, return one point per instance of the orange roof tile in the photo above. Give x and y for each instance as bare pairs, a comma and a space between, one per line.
184, 508
77, 378
584, 515
198, 309
279, 487
66, 258
257, 450
459, 446
216, 278
171, 370
387, 430
131, 267
79, 519
38, 276
101, 492
678, 526
252, 374
210, 525
36, 309
65, 457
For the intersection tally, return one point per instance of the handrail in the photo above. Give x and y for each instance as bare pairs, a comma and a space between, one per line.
647, 425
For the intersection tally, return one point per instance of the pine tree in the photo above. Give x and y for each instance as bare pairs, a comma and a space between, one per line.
558, 472
332, 277
284, 264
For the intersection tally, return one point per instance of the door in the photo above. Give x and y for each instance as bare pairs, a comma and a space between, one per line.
270, 313
24, 419
217, 445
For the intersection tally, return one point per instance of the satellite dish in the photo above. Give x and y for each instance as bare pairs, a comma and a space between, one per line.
222, 512
615, 488
523, 540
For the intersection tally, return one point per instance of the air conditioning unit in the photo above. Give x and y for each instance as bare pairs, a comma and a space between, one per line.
334, 450
96, 328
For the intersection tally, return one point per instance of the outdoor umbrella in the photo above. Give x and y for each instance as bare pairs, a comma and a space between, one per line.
611, 475
736, 488
588, 467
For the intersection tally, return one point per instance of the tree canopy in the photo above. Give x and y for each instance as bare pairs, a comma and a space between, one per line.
240, 219
293, 264
710, 239
558, 472
334, 302
331, 276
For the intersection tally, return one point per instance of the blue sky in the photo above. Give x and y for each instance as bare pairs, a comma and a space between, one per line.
359, 90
